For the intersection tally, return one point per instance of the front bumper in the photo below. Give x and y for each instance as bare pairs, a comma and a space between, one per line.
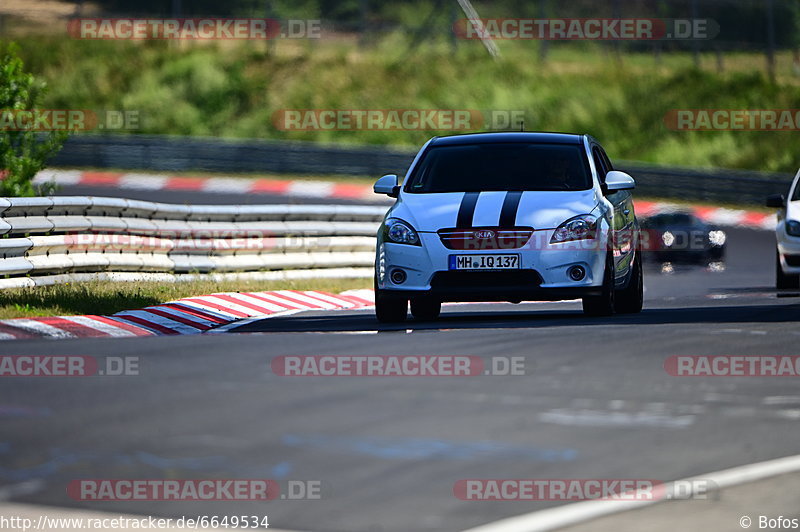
542, 275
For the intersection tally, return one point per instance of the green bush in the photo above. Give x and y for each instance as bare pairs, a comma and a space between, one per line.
22, 153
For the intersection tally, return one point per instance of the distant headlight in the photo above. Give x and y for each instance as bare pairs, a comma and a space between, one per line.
668, 238
793, 228
583, 227
717, 238
400, 232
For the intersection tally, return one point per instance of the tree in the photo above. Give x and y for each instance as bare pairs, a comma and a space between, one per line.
23, 152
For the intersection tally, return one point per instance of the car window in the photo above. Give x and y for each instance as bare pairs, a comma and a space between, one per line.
600, 164
501, 167
606, 160
796, 193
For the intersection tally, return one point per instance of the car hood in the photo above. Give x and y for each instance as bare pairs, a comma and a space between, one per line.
540, 210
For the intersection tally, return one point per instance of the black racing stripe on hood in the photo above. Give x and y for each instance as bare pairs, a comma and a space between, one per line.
467, 209
508, 214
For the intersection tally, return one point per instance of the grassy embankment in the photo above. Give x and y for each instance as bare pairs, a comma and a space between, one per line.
233, 91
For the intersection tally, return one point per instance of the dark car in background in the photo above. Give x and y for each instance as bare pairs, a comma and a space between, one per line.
682, 237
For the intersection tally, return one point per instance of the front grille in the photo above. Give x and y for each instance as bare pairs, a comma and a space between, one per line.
494, 279
485, 238
792, 260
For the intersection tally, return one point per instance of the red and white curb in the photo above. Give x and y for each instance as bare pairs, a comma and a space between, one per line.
345, 191
191, 315
218, 185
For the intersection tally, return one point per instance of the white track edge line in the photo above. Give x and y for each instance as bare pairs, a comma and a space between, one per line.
572, 514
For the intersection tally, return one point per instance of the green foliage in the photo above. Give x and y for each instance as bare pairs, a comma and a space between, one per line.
233, 91
22, 154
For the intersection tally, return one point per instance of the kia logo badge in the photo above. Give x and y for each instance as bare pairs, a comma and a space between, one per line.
483, 234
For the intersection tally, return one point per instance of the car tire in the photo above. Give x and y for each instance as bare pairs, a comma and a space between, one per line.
602, 305
631, 299
784, 280
425, 309
389, 309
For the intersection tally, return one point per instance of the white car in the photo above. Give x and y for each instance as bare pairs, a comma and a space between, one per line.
508, 217
787, 232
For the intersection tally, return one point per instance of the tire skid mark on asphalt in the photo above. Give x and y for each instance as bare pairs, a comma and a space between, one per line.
781, 400
394, 448
602, 418
27, 487
587, 412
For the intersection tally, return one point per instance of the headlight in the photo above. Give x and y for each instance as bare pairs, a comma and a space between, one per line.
668, 238
583, 227
400, 232
717, 238
793, 228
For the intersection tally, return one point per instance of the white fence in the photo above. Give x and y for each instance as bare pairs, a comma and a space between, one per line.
77, 238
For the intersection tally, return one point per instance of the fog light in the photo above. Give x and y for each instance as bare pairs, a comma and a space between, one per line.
577, 273
398, 276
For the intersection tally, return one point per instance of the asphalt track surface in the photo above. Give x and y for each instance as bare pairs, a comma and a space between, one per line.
595, 402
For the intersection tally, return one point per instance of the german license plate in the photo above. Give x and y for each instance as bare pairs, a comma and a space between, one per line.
484, 262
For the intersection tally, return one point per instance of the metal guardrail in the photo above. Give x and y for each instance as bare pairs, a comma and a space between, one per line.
706, 186
75, 235
165, 153
221, 155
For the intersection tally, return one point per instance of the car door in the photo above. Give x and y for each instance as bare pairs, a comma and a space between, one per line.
623, 225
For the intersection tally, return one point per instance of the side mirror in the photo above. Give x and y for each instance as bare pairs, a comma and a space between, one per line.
616, 180
388, 184
776, 201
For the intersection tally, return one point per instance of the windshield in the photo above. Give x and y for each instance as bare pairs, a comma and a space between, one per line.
503, 167
675, 219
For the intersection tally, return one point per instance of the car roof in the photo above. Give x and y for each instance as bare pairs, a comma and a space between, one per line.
516, 136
